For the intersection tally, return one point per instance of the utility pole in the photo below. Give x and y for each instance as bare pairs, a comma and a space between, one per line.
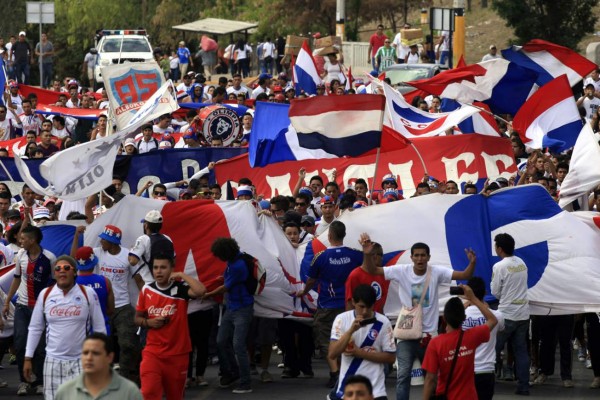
458, 44
340, 19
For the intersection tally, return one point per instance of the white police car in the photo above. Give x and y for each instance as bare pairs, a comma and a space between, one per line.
122, 46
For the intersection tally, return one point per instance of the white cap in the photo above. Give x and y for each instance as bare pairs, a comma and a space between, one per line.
41, 212
22, 33
154, 217
165, 144
129, 142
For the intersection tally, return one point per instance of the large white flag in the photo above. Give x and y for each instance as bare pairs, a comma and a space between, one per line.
85, 169
128, 86
584, 174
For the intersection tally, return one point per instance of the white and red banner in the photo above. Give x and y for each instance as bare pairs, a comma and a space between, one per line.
128, 86
461, 158
259, 236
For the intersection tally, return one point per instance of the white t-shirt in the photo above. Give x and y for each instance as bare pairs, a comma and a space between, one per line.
322, 226
243, 53
242, 90
590, 105
67, 319
485, 355
384, 342
173, 62
6, 126
141, 249
259, 90
401, 50
509, 285
488, 57
117, 269
268, 49
445, 43
411, 285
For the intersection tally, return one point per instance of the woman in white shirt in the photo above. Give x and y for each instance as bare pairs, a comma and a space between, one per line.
412, 57
333, 69
242, 57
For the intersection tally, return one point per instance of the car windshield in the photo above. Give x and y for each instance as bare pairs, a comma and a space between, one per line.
406, 75
130, 45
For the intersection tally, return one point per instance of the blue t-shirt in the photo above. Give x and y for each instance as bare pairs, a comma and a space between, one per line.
235, 276
98, 283
184, 55
331, 268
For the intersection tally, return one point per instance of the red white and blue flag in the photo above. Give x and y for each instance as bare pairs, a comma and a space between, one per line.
79, 113
550, 117
305, 74
412, 122
550, 61
317, 127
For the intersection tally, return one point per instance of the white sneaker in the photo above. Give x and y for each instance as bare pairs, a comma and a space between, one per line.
540, 380
23, 389
3, 384
588, 363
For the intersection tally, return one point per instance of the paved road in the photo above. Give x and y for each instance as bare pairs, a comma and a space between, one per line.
296, 389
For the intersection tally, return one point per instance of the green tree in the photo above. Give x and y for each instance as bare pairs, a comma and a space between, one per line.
563, 22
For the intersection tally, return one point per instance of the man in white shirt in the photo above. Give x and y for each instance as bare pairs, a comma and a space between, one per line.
364, 340
594, 79
237, 87
30, 121
148, 142
401, 50
411, 281
113, 263
589, 101
492, 55
509, 285
485, 355
8, 123
268, 53
264, 81
68, 312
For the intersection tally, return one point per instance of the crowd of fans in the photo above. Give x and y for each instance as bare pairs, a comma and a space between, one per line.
349, 330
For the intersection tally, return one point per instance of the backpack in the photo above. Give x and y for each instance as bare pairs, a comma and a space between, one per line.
159, 244
257, 275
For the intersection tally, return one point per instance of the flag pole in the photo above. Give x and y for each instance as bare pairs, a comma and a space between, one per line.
489, 112
375, 174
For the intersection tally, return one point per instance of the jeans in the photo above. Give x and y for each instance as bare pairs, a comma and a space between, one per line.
244, 67
231, 343
47, 71
516, 332
444, 55
129, 344
22, 72
374, 65
406, 352
21, 326
174, 74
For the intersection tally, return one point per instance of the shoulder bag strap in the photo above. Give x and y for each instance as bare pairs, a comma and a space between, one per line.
427, 279
453, 363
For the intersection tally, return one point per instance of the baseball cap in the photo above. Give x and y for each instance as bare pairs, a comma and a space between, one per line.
277, 88
184, 192
279, 97
13, 214
305, 190
86, 259
289, 89
264, 204
307, 220
129, 142
22, 33
13, 84
111, 234
359, 204
154, 217
493, 46
165, 144
50, 200
265, 76
41, 212
327, 200
389, 178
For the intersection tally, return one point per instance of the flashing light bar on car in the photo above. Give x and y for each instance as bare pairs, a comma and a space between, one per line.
124, 32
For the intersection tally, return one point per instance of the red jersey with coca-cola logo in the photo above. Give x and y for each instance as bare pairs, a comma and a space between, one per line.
171, 303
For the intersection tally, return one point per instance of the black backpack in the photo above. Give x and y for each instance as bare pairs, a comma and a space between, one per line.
159, 244
257, 275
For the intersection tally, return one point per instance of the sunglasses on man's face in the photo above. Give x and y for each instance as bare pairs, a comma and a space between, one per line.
59, 268
159, 193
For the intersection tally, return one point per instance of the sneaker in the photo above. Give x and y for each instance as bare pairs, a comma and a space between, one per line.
507, 374
200, 381
540, 380
308, 374
533, 372
281, 365
265, 377
39, 389
567, 383
289, 374
595, 383
575, 344
522, 392
581, 354
12, 359
242, 390
333, 378
3, 384
226, 381
588, 363
23, 389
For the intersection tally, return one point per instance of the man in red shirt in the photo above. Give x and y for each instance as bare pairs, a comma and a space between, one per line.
375, 42
162, 309
441, 350
360, 276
